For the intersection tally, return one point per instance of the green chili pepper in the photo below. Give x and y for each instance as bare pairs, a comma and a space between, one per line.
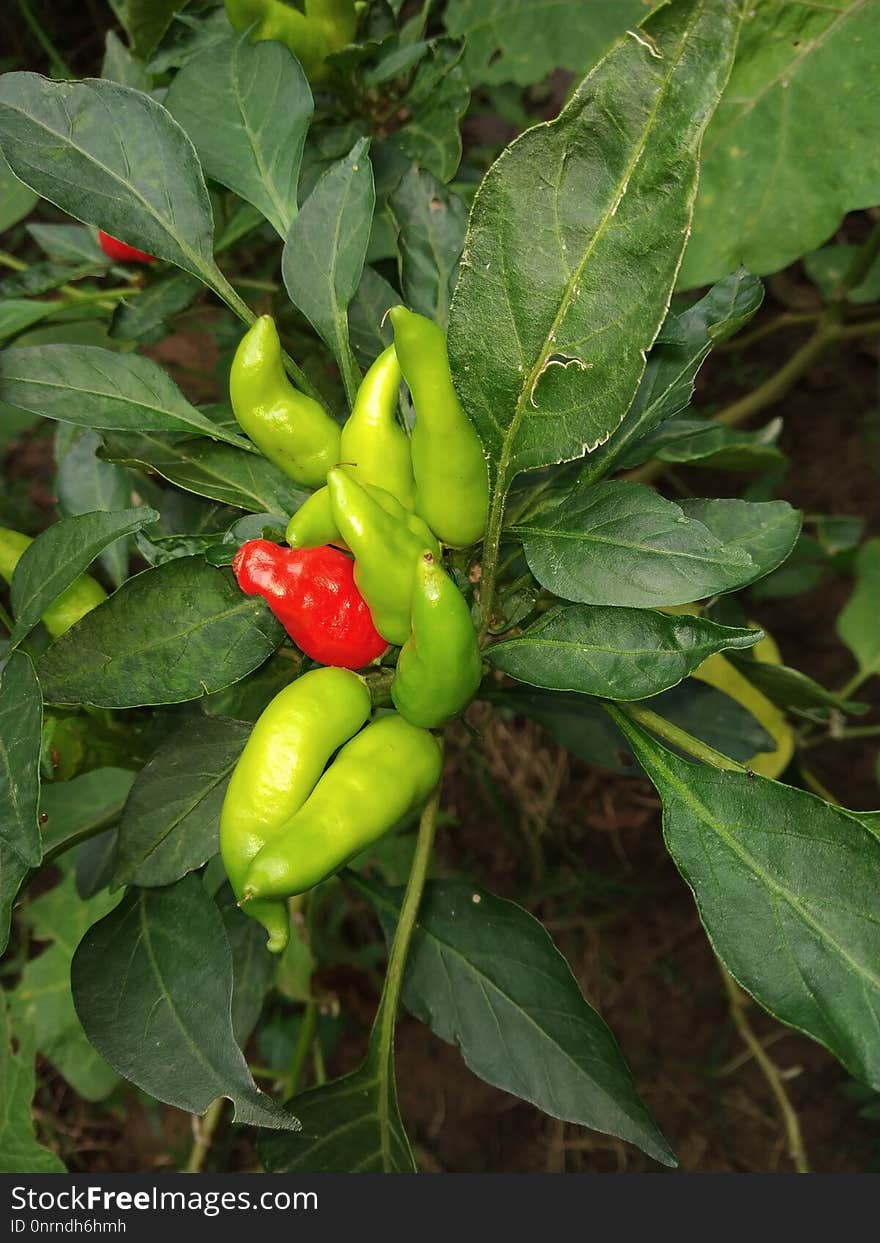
385, 772
374, 448
290, 428
284, 757
324, 27
83, 594
452, 482
439, 668
386, 541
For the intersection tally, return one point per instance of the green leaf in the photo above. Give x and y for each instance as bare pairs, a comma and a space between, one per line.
60, 554
83, 483
246, 108
71, 242
93, 387
21, 720
120, 66
522, 41
483, 974
574, 242
436, 101
74, 810
326, 247
701, 442
786, 886
40, 278
857, 622
20, 726
16, 314
369, 330
792, 147
19, 1151
350, 1125
223, 473
827, 267
60, 916
431, 223
766, 531
253, 966
622, 544
172, 817
17, 200
152, 985
173, 633
789, 688
114, 158
615, 653
146, 317
146, 21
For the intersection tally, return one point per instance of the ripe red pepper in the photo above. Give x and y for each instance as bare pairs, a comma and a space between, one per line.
121, 251
312, 593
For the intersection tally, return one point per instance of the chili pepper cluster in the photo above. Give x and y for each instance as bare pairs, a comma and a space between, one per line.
362, 570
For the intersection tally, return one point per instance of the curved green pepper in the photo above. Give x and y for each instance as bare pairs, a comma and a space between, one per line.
324, 27
373, 447
386, 541
386, 771
83, 594
283, 759
439, 668
289, 428
452, 481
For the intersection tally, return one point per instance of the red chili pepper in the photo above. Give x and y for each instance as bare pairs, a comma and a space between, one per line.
312, 593
114, 249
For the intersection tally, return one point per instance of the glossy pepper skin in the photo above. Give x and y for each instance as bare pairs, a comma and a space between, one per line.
452, 481
324, 27
121, 251
386, 771
288, 427
386, 546
313, 594
83, 595
282, 760
439, 668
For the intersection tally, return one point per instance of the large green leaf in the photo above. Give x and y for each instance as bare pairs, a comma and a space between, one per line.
172, 817
94, 387
786, 887
152, 985
246, 108
622, 544
574, 243
21, 718
431, 223
857, 623
350, 1125
44, 995
19, 1151
83, 483
112, 157
173, 633
695, 441
435, 103
523, 40
223, 473
146, 21
326, 247
74, 810
615, 653
483, 974
793, 145
254, 966
766, 531
60, 554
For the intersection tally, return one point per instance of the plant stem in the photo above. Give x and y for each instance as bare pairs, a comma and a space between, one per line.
301, 1051
850, 687
787, 319
489, 566
675, 735
204, 1133
791, 1122
387, 1013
